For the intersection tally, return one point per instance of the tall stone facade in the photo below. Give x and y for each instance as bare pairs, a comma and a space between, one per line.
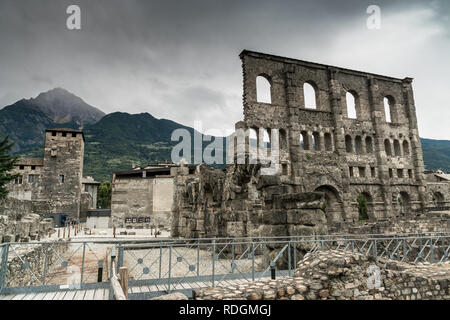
55, 179
331, 158
376, 154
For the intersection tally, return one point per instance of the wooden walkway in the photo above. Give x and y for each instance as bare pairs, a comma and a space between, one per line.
103, 294
93, 294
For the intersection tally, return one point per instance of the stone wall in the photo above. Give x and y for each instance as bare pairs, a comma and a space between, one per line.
438, 194
337, 275
20, 221
20, 274
431, 222
240, 202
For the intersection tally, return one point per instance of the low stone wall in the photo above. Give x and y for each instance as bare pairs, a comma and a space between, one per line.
431, 222
337, 275
33, 255
15, 209
22, 220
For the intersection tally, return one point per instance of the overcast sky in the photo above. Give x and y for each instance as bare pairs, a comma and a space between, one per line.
179, 59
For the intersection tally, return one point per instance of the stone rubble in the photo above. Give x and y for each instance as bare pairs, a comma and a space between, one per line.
339, 275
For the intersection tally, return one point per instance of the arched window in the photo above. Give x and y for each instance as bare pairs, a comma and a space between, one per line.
397, 150
283, 140
253, 143
387, 147
309, 94
365, 206
266, 137
358, 145
266, 140
316, 141
348, 144
328, 142
403, 203
351, 105
264, 148
438, 199
304, 142
405, 148
253, 136
369, 145
263, 89
388, 105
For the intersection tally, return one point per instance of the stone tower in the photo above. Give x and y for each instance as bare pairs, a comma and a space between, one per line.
62, 170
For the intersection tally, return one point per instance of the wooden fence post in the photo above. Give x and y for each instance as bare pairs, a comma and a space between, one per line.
123, 272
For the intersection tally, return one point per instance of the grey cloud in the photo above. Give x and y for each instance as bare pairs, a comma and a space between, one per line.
179, 59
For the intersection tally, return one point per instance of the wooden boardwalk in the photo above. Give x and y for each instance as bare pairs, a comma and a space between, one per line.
103, 294
92, 294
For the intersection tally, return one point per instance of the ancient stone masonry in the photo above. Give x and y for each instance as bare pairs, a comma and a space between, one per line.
240, 202
431, 222
329, 151
20, 222
438, 190
338, 275
329, 157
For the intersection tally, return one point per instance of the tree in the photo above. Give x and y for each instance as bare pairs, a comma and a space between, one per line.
104, 195
362, 208
6, 165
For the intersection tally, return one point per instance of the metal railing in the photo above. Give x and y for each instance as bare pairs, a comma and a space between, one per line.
172, 264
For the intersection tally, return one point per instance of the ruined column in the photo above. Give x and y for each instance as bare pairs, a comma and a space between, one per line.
378, 144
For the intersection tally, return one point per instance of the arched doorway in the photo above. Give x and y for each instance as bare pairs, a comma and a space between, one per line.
365, 206
333, 205
403, 203
438, 199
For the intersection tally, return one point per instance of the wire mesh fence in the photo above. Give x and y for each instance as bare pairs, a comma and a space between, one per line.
170, 263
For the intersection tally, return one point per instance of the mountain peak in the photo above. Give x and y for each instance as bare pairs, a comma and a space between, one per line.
55, 94
61, 106
57, 91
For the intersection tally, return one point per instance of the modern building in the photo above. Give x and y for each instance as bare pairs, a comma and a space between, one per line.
143, 196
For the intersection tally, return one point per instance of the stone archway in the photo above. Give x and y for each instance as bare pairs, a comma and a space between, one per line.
438, 199
403, 203
333, 207
365, 206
